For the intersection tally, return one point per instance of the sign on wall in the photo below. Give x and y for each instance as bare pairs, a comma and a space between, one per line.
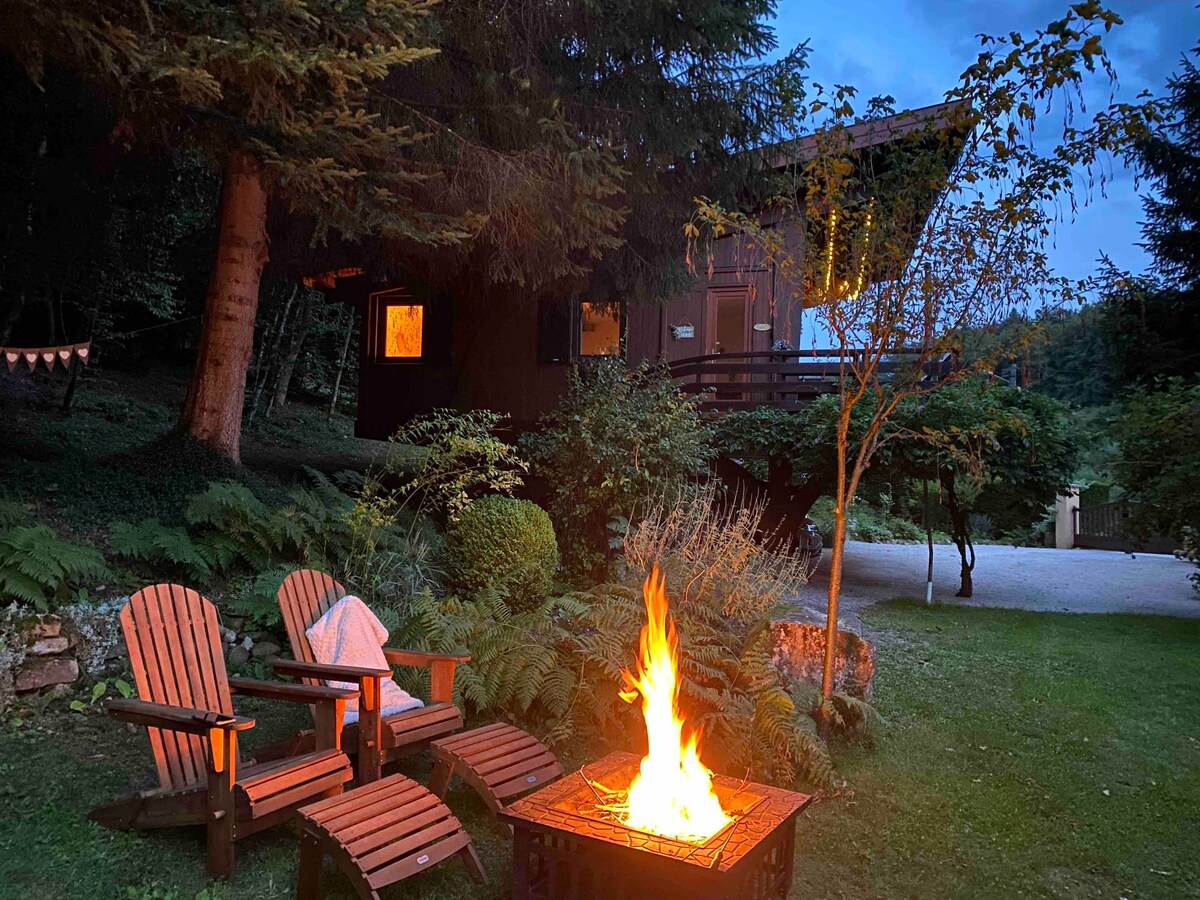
684, 332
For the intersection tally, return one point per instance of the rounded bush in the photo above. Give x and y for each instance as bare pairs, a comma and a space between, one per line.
503, 543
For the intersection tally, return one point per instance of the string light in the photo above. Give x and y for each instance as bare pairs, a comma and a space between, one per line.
829, 251
862, 262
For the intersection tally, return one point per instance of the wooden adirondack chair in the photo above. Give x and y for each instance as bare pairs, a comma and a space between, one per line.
176, 655
304, 597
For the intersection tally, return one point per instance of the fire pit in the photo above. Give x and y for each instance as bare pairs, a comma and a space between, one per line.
567, 845
624, 828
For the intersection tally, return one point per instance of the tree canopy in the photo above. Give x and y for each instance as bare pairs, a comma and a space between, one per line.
1170, 158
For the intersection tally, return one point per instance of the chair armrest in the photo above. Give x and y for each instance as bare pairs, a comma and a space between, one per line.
299, 669
175, 718
295, 693
420, 657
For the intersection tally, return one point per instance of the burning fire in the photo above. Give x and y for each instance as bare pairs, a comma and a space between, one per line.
672, 794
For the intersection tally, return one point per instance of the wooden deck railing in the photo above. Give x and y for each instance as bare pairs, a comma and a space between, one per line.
785, 379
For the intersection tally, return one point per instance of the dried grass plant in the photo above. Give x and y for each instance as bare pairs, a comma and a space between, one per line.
712, 547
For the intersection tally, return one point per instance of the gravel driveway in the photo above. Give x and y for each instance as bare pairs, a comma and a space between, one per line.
1033, 578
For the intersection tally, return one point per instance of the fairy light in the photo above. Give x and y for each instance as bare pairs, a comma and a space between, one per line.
829, 251
862, 262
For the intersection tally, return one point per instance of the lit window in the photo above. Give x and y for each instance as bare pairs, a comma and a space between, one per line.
402, 330
599, 329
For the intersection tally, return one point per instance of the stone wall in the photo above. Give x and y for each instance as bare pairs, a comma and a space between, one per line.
48, 657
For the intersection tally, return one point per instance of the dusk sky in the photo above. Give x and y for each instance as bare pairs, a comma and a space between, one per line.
915, 50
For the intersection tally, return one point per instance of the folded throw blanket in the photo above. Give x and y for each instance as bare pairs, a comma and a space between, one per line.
349, 634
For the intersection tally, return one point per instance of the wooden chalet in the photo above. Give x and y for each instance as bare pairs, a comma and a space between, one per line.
424, 347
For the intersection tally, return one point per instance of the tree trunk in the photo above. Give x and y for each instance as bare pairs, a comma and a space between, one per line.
960, 528
337, 381
213, 412
835, 592
269, 350
283, 378
840, 512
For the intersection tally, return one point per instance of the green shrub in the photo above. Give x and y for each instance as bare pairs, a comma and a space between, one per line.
503, 543
460, 458
619, 436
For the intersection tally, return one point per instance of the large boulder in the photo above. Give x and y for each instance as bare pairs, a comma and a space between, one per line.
798, 651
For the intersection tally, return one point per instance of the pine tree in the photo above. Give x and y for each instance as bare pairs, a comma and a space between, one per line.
1170, 158
276, 94
621, 112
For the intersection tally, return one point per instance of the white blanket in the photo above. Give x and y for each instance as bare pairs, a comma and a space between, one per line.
349, 634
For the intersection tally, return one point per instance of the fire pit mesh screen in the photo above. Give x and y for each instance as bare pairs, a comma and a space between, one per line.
568, 845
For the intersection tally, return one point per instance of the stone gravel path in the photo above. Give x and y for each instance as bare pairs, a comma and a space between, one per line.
1032, 578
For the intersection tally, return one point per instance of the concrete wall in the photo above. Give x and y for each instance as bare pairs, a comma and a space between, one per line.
1066, 507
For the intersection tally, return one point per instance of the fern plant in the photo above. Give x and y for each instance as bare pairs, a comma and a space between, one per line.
164, 546
39, 567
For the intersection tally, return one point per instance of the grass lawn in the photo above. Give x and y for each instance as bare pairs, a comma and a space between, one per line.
1028, 755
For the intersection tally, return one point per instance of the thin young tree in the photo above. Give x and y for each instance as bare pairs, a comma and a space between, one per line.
938, 228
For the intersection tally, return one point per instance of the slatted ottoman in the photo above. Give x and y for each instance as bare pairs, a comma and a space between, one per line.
379, 834
500, 761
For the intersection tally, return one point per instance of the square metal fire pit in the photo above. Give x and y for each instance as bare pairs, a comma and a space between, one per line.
566, 847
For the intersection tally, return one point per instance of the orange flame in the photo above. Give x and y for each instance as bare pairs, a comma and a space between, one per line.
672, 794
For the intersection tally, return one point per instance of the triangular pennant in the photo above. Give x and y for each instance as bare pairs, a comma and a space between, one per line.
11, 357
31, 359
48, 357
82, 352
64, 355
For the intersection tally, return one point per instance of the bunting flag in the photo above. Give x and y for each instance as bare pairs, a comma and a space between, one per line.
49, 355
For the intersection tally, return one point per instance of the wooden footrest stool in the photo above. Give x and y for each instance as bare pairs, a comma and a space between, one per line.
500, 761
379, 834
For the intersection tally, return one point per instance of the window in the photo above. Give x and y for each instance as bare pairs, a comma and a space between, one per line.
599, 329
400, 327
402, 331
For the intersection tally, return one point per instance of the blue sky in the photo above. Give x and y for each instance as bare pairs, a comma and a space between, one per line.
915, 50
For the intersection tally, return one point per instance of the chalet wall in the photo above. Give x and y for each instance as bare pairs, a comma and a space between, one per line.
496, 348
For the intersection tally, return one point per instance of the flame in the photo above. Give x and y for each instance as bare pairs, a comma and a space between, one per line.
672, 794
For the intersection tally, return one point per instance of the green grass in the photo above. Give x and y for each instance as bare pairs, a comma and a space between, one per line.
1028, 755
1006, 730
114, 456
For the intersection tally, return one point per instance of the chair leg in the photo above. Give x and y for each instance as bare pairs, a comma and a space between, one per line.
308, 885
474, 866
222, 760
370, 732
443, 773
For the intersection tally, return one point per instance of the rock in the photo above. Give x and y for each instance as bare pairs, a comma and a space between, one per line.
49, 646
228, 635
45, 627
37, 674
97, 626
798, 651
265, 648
238, 656
247, 643
234, 623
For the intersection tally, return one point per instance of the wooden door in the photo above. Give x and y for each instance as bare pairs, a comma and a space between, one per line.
728, 319
728, 329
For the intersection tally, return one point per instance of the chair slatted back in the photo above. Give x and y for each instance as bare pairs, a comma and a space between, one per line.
304, 597
177, 659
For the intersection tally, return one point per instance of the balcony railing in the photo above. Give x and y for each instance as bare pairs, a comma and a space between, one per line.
785, 379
